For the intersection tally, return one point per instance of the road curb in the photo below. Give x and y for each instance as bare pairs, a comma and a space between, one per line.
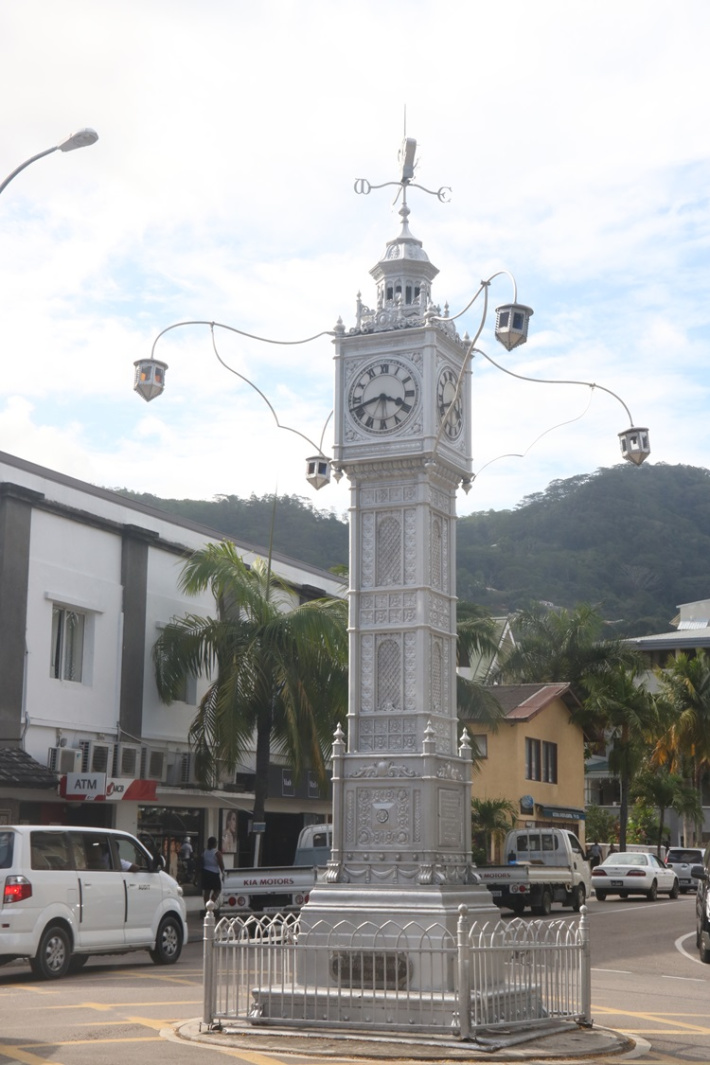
328, 1043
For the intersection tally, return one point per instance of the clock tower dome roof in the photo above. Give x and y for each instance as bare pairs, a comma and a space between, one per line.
405, 252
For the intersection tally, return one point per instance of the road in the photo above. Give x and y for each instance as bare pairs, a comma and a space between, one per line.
646, 980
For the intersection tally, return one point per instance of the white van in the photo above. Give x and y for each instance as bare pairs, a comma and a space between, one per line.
70, 892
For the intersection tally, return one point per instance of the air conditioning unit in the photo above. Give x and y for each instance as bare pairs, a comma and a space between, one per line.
64, 760
180, 770
153, 764
96, 757
126, 760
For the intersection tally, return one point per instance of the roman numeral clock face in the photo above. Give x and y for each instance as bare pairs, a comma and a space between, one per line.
383, 396
446, 408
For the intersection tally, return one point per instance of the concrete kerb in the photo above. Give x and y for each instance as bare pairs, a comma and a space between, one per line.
572, 1045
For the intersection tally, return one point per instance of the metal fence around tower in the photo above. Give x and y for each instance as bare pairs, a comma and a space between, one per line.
515, 975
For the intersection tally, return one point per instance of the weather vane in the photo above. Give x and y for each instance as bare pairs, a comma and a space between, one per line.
407, 164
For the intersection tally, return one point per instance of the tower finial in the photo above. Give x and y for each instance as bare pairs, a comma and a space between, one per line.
407, 163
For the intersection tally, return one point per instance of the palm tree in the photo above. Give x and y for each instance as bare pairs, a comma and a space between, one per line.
628, 713
668, 791
492, 818
685, 691
476, 637
277, 670
567, 645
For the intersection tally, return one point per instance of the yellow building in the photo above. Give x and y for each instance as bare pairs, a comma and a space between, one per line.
535, 757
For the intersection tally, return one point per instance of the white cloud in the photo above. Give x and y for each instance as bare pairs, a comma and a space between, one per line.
221, 189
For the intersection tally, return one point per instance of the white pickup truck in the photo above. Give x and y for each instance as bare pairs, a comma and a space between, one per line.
545, 865
278, 888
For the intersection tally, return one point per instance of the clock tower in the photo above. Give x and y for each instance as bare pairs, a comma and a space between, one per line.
402, 780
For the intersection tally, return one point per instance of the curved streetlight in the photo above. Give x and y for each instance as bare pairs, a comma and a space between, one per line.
81, 139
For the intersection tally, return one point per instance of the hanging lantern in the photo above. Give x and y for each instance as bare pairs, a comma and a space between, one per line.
149, 380
635, 446
318, 471
512, 324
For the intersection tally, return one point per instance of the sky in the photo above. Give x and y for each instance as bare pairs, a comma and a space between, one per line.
574, 138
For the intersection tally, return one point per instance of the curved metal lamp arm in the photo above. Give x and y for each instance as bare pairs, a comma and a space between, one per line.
268, 403
241, 376
522, 454
552, 381
241, 332
483, 288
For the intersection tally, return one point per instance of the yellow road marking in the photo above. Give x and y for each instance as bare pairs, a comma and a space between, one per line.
147, 1022
652, 1018
125, 1005
16, 1054
87, 1042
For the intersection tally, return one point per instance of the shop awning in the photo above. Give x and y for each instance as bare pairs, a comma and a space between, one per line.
563, 813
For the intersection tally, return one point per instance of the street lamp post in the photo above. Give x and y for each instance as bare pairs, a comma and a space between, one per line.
81, 139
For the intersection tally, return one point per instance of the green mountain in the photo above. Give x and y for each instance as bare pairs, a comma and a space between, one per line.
635, 542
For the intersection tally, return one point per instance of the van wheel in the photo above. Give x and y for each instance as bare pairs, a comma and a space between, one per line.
53, 954
703, 951
579, 897
168, 943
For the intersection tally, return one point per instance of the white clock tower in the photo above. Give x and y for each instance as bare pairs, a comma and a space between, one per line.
402, 783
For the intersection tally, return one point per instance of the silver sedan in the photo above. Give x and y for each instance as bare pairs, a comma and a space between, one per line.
634, 873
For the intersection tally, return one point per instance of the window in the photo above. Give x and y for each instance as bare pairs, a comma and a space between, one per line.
130, 855
540, 761
549, 763
67, 652
532, 759
48, 850
480, 745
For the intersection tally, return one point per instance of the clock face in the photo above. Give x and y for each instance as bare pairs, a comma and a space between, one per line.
383, 396
445, 392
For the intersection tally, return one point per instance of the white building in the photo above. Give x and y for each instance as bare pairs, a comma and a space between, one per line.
87, 579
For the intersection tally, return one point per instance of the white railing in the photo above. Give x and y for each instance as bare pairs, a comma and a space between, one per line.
512, 974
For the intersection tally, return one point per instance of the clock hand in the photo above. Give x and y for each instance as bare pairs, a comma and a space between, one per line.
381, 398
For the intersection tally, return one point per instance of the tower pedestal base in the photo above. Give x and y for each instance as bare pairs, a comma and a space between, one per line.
393, 936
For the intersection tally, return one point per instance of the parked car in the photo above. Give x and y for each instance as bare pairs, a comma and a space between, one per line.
634, 873
702, 904
682, 859
67, 893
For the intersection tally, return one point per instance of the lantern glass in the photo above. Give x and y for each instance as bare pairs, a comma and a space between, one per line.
149, 380
512, 321
635, 445
318, 471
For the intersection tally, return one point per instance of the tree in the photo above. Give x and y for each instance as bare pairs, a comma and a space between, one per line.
277, 670
600, 825
557, 645
476, 637
685, 691
628, 715
667, 791
491, 819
